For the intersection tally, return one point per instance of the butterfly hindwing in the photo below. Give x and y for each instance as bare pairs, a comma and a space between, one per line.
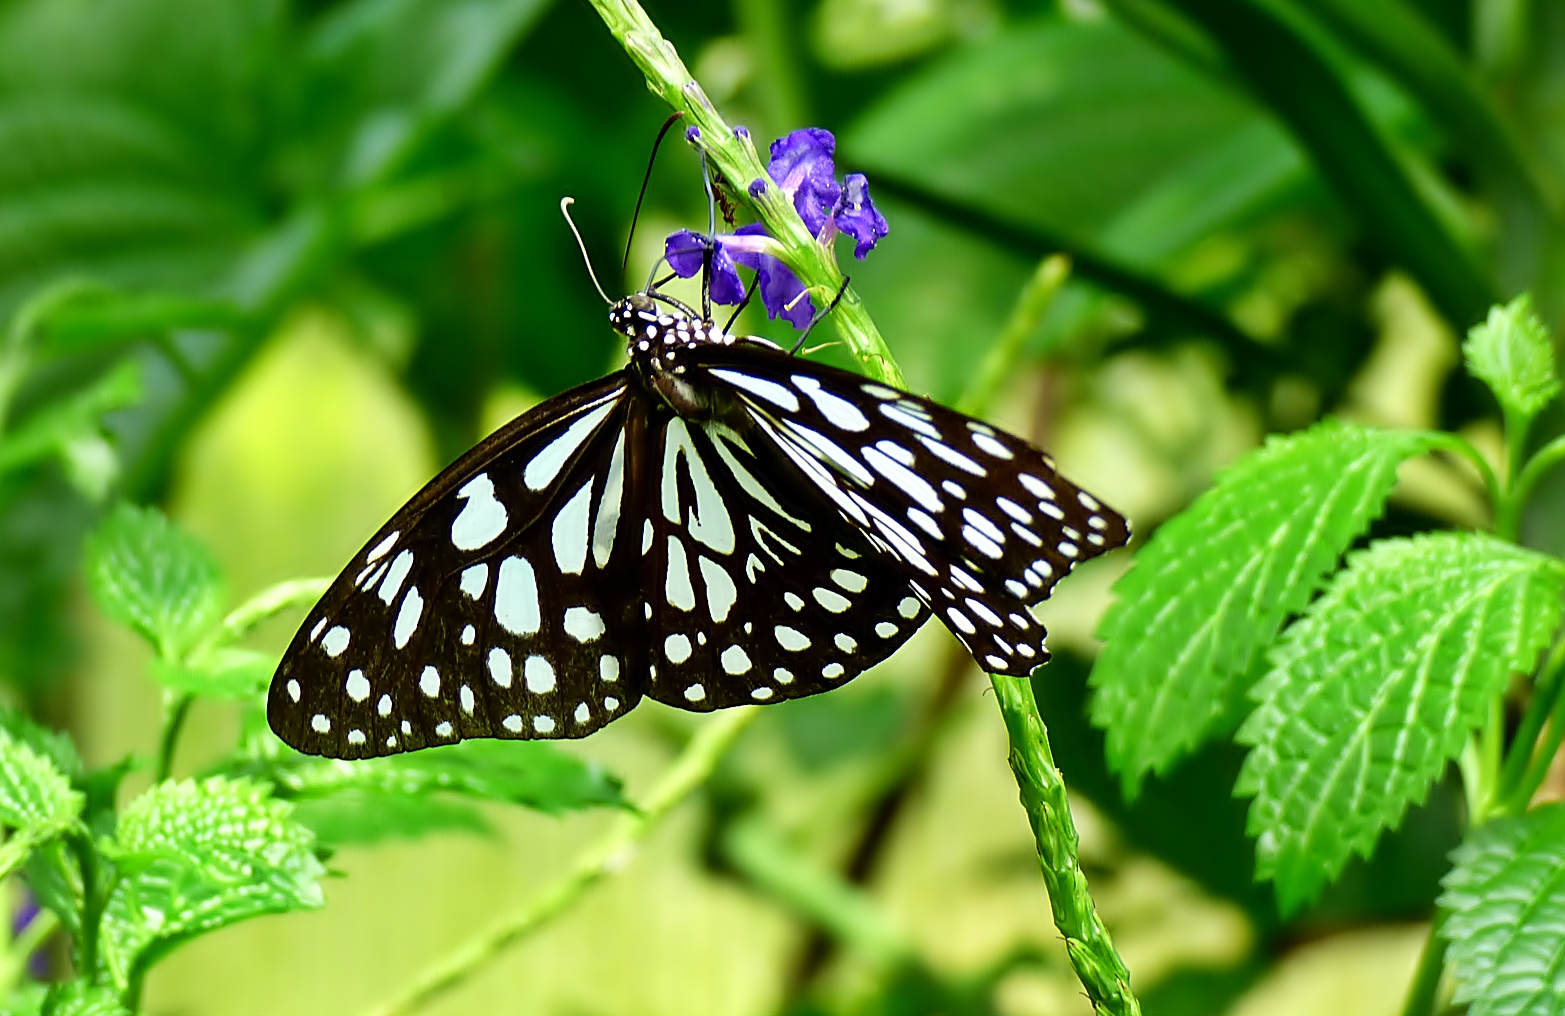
978, 519
755, 591
489, 606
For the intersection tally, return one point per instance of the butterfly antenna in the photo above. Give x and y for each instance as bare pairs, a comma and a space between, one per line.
748, 293
565, 210
711, 241
646, 179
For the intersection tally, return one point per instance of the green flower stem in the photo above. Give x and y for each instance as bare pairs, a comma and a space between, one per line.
1460, 446
814, 264
1034, 300
31, 939
176, 708
1091, 949
1539, 762
609, 855
1423, 995
1545, 692
270, 602
1542, 461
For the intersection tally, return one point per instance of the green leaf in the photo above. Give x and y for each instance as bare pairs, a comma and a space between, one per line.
1377, 686
55, 745
228, 672
1505, 900
79, 998
366, 817
1212, 587
36, 800
1512, 354
55, 879
64, 427
150, 575
530, 773
195, 857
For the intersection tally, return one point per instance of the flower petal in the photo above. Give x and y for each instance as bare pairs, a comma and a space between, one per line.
685, 250
779, 286
802, 165
858, 217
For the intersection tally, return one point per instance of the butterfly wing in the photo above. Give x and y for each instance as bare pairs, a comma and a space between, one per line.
754, 589
489, 605
978, 520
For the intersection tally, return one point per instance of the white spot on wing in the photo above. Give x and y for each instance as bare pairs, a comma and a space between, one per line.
721, 593
695, 693
335, 641
500, 667
320, 724
831, 599
293, 689
771, 391
677, 587
735, 660
607, 523
543, 724
357, 686
677, 648
952, 456
569, 532
407, 617
516, 597
993, 447
474, 579
608, 668
791, 639
513, 723
400, 565
839, 411
429, 682
582, 624
481, 519
538, 674
546, 465
708, 519
379, 550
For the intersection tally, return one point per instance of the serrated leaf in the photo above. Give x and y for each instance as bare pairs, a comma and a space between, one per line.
195, 857
56, 882
228, 672
54, 745
1505, 900
1512, 354
1377, 686
366, 817
530, 773
79, 998
1212, 587
36, 801
147, 573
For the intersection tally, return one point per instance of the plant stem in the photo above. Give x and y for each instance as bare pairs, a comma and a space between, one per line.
609, 855
1424, 992
1460, 446
1000, 362
1545, 691
1542, 461
1538, 765
1091, 949
269, 602
176, 707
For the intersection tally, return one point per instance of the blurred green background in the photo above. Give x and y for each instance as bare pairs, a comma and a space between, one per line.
327, 236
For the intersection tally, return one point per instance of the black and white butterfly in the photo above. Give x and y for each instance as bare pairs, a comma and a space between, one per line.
720, 522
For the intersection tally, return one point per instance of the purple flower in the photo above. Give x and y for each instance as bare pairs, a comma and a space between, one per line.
802, 165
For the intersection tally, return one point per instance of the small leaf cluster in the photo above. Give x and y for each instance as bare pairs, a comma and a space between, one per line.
1356, 676
250, 837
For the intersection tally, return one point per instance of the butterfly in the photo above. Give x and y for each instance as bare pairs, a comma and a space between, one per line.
719, 522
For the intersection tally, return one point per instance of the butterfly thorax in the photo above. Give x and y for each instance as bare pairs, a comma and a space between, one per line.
659, 342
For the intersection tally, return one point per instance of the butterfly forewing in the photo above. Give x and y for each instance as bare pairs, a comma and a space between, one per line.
755, 591
978, 520
490, 606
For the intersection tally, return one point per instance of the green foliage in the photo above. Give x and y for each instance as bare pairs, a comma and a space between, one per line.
369, 816
534, 774
195, 857
76, 998
1212, 587
1512, 354
146, 573
1505, 916
36, 801
1378, 686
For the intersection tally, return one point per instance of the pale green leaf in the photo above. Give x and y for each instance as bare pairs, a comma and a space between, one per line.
36, 801
147, 573
1377, 687
227, 672
79, 998
1212, 587
1505, 900
531, 773
1512, 354
195, 857
362, 817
